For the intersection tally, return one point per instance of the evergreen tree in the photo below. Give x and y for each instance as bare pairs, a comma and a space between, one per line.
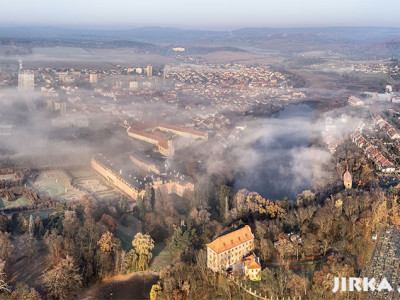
181, 239
158, 200
149, 198
140, 206
39, 229
223, 194
123, 204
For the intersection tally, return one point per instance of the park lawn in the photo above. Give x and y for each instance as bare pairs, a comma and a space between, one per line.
162, 257
128, 226
82, 173
107, 196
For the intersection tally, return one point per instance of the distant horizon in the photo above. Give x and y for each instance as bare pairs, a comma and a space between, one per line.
122, 28
205, 14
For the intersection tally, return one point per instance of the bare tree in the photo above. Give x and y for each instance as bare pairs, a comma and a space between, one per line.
3, 285
6, 246
64, 280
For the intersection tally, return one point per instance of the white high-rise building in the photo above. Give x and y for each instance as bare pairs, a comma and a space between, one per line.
93, 78
26, 82
149, 71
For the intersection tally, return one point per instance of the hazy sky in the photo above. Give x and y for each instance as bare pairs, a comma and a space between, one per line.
211, 14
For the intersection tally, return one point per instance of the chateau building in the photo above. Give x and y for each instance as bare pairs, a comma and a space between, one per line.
156, 134
164, 146
229, 249
135, 187
132, 191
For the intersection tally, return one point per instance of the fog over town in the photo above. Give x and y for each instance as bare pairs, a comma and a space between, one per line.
178, 152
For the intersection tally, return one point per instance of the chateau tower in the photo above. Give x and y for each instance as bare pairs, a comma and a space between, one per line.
347, 179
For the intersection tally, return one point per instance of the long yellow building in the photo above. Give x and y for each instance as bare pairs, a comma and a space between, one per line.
165, 186
164, 146
116, 180
153, 134
181, 131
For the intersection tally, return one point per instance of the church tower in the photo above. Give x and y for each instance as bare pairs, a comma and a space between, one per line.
347, 179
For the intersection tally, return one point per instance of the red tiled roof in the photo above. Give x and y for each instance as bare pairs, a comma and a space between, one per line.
347, 177
161, 141
231, 240
251, 263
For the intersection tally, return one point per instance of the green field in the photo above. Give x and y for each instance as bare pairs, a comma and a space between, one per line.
82, 173
127, 227
108, 196
18, 202
161, 257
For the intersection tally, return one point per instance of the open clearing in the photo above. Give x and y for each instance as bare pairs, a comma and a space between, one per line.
108, 196
132, 286
161, 257
82, 173
28, 266
127, 227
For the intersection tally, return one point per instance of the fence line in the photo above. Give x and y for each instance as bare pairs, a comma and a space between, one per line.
257, 294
